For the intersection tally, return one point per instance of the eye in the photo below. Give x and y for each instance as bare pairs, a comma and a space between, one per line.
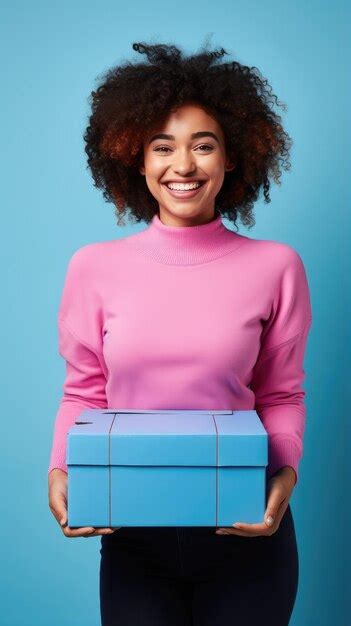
206, 146
161, 149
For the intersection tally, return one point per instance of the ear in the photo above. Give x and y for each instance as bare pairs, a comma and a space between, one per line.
141, 167
230, 166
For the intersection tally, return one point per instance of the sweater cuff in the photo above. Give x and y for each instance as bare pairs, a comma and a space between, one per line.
282, 452
58, 465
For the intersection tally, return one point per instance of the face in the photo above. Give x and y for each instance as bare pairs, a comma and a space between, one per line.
188, 151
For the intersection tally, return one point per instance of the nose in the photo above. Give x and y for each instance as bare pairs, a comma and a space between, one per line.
184, 163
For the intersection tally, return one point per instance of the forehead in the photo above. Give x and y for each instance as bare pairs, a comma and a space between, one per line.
190, 113
188, 119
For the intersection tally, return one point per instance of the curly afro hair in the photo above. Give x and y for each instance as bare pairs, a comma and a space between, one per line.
132, 99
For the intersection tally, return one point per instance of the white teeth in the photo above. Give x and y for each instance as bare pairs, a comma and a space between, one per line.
183, 186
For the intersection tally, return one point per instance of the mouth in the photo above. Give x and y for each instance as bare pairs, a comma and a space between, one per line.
184, 190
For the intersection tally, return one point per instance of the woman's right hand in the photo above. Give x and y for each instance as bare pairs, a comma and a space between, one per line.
57, 484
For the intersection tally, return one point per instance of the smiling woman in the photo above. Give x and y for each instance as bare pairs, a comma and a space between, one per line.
188, 314
189, 119
182, 172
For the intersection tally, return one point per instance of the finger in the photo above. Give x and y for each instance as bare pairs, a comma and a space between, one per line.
60, 515
228, 531
86, 531
274, 512
77, 532
253, 528
108, 529
241, 533
263, 529
58, 507
247, 529
101, 531
275, 500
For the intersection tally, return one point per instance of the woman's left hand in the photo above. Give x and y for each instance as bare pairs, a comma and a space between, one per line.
279, 489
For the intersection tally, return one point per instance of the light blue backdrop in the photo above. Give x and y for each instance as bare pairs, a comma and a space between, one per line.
50, 58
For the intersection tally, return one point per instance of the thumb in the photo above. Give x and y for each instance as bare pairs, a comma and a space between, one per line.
272, 508
62, 512
60, 508
269, 517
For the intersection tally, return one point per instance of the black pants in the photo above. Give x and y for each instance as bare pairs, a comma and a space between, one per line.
189, 576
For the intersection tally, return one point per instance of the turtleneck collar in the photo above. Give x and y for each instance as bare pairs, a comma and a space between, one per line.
186, 245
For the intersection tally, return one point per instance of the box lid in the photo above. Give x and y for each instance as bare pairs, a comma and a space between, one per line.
165, 437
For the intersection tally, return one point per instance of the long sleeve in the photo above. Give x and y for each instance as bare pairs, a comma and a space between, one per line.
85, 380
279, 372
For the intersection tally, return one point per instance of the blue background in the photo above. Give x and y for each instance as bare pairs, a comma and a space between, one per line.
51, 56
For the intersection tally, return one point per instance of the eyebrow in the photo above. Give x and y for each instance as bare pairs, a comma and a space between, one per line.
201, 133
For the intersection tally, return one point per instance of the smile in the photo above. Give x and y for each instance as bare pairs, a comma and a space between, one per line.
184, 190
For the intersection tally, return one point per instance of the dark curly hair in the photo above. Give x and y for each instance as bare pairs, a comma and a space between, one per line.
133, 98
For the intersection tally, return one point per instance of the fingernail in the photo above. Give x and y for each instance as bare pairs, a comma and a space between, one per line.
236, 525
63, 522
269, 520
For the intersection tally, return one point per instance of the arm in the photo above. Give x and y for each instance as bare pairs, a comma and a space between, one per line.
277, 384
80, 344
84, 387
278, 373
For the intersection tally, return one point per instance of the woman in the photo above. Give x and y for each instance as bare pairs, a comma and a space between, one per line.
188, 314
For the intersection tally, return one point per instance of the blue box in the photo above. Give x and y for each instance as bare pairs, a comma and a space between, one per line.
129, 467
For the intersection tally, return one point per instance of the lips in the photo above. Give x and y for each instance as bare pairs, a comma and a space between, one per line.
184, 182
184, 194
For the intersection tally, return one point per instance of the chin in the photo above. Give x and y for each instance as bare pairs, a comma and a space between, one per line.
186, 214
186, 210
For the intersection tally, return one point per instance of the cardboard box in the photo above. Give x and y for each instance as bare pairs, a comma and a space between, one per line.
130, 467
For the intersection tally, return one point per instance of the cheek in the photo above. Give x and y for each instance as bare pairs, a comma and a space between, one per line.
153, 167
153, 174
215, 170
153, 178
217, 178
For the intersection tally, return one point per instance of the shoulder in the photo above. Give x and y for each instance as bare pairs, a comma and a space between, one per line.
276, 254
95, 249
91, 256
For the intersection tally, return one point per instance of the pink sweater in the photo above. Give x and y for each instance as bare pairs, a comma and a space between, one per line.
195, 317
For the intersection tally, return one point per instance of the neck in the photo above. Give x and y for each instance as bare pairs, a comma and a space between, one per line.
186, 245
169, 220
